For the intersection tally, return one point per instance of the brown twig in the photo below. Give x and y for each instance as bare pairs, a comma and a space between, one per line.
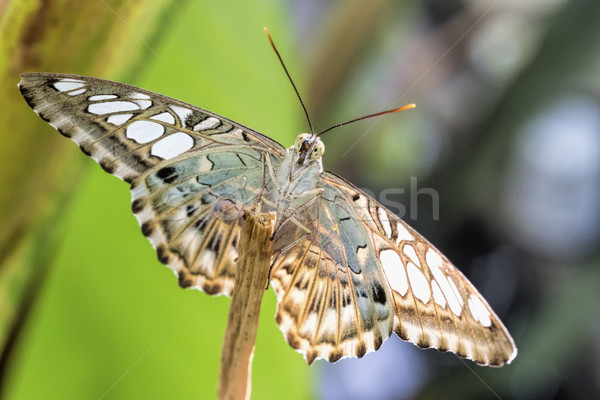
253, 262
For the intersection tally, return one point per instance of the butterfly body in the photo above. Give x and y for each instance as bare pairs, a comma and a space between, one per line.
347, 272
295, 180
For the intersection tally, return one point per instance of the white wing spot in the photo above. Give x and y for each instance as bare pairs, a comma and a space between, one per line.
479, 311
433, 259
182, 112
207, 258
66, 85
330, 321
119, 119
110, 107
172, 146
435, 263
99, 97
360, 202
456, 292
403, 234
236, 132
362, 253
166, 117
437, 294
409, 250
144, 131
418, 283
311, 321
385, 222
143, 103
205, 165
208, 123
76, 92
394, 271
453, 302
141, 96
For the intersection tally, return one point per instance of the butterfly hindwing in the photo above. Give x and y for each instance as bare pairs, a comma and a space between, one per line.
191, 210
332, 302
192, 172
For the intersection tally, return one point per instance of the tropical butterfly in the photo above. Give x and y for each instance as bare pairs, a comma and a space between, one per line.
347, 271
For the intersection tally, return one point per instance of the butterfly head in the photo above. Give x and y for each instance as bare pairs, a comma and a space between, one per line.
309, 148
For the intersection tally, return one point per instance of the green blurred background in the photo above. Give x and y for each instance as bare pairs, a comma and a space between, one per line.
506, 134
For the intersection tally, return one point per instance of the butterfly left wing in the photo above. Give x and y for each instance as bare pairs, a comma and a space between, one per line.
357, 271
192, 172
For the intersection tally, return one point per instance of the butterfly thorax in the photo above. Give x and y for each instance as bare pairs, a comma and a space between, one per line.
298, 174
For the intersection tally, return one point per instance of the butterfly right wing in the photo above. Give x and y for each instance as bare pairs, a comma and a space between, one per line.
192, 172
352, 272
435, 305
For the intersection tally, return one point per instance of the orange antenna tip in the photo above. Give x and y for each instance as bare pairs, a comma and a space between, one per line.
270, 40
406, 107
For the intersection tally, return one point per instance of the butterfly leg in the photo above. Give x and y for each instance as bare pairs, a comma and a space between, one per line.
267, 171
268, 166
306, 200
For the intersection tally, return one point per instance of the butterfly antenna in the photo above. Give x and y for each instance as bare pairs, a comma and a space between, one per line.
406, 107
291, 81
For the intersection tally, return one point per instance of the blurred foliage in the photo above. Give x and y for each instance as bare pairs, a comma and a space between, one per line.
85, 308
108, 318
39, 172
479, 73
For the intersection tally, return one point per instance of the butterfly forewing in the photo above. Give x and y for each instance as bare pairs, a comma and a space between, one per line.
347, 272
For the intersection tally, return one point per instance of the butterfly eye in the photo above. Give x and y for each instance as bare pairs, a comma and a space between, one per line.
299, 140
317, 151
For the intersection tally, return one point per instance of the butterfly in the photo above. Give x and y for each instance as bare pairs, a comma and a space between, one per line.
347, 272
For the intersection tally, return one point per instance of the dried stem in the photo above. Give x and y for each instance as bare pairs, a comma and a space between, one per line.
255, 250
